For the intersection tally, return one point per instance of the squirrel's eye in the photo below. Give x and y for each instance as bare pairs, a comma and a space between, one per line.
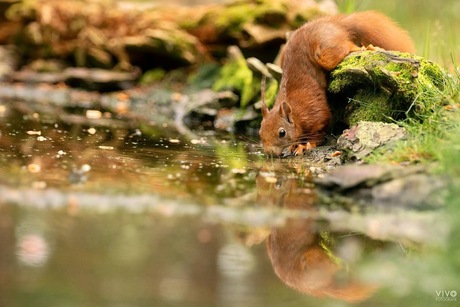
282, 133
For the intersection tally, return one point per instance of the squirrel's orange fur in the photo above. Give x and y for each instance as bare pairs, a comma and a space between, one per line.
301, 114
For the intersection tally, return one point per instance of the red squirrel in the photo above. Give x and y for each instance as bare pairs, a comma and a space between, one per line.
301, 115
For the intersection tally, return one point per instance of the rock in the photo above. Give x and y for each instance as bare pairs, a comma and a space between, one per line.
168, 47
228, 119
107, 34
325, 157
275, 71
257, 27
383, 85
356, 176
260, 35
411, 190
255, 65
8, 27
238, 75
45, 65
235, 75
8, 60
99, 79
362, 139
388, 185
31, 77
92, 79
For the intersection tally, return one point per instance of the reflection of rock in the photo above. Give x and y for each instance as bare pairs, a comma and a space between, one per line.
384, 184
363, 138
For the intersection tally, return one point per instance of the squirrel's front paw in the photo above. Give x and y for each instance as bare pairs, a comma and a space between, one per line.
300, 149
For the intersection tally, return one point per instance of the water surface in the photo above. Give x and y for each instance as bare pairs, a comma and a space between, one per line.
94, 213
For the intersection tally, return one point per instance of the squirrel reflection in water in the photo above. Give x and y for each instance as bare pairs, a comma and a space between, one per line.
299, 254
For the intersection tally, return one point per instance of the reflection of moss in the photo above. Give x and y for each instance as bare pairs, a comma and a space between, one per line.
233, 156
328, 243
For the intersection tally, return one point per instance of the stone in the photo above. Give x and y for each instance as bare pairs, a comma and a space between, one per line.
384, 185
9, 60
355, 176
361, 139
408, 191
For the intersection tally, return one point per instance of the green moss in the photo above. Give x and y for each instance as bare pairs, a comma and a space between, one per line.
303, 16
402, 88
238, 13
234, 16
369, 108
236, 75
271, 92
152, 76
204, 77
403, 84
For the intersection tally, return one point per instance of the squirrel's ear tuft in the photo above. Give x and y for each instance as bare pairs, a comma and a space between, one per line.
286, 112
264, 110
262, 96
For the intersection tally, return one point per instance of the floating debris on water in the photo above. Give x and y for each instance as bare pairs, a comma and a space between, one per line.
34, 168
79, 176
93, 114
105, 147
60, 153
39, 185
238, 171
85, 168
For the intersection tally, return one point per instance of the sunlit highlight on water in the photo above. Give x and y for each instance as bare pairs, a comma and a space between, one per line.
32, 250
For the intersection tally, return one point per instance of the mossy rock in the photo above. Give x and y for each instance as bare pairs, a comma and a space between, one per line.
387, 86
258, 27
235, 75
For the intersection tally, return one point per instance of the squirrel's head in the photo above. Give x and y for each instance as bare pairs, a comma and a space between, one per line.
277, 131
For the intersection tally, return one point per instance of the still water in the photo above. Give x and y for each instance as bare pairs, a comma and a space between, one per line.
93, 213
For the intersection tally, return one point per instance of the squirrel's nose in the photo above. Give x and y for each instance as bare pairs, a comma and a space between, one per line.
272, 151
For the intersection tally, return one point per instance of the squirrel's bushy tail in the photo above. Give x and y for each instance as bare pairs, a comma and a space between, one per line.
374, 28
